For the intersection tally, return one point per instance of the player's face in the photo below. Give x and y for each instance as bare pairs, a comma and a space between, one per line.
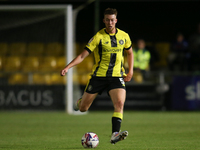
110, 21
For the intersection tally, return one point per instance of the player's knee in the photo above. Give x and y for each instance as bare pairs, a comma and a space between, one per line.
83, 109
119, 104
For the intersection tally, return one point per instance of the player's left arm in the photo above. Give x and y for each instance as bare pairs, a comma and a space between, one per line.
130, 60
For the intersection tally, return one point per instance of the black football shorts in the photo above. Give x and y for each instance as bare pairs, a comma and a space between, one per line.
99, 84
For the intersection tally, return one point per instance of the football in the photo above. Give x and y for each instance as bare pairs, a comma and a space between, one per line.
90, 140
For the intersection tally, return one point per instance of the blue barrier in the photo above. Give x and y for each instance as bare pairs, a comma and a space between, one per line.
186, 93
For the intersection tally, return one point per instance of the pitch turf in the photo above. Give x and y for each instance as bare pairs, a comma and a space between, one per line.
59, 131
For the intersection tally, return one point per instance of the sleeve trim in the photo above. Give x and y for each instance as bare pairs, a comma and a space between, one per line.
127, 48
88, 49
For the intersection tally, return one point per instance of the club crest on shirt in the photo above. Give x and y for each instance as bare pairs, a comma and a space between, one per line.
121, 42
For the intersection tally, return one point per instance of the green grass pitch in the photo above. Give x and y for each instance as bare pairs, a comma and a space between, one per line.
60, 131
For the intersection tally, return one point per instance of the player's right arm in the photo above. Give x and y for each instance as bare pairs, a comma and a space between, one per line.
75, 62
88, 49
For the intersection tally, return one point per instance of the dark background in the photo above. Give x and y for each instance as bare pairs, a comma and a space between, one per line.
155, 21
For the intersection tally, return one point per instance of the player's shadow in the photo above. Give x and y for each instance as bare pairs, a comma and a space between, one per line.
74, 148
27, 147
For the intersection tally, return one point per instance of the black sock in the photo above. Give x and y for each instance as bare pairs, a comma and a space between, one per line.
116, 124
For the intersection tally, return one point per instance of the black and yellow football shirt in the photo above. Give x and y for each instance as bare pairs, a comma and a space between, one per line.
108, 52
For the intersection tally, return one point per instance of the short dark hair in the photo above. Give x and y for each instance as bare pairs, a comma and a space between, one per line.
110, 11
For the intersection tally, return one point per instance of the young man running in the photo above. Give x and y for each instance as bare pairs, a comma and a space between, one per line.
108, 46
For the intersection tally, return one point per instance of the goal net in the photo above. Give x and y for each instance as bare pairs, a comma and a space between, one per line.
36, 42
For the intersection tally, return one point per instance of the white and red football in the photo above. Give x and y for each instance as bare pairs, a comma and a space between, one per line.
90, 140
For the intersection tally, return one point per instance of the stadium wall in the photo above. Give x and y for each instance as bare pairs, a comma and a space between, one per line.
52, 97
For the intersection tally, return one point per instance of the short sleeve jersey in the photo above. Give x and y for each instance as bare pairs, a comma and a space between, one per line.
109, 52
